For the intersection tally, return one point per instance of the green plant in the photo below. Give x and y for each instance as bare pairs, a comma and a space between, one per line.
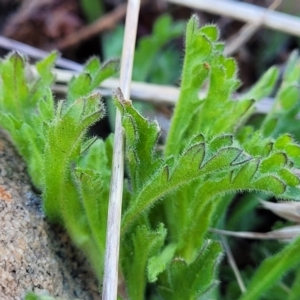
156, 48
62, 162
92, 9
198, 169
172, 198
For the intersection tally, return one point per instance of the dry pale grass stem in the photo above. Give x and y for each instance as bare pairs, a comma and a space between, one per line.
110, 283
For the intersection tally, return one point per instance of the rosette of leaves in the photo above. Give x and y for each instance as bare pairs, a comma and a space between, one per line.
177, 195
174, 196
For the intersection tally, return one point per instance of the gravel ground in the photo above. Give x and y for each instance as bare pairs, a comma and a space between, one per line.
34, 256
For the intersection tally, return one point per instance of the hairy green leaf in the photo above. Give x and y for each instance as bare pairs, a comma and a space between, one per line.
65, 135
90, 78
144, 244
183, 281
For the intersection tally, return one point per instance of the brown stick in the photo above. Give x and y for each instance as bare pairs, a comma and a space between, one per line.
106, 22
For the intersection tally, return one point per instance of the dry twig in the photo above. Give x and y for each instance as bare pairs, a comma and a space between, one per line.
233, 265
106, 22
247, 13
110, 283
149, 92
286, 233
36, 53
247, 31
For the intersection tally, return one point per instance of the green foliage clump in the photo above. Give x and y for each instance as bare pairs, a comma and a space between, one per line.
155, 47
171, 198
203, 161
62, 161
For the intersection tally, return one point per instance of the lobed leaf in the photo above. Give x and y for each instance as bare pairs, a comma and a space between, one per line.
157, 264
282, 117
219, 161
93, 74
65, 135
26, 107
144, 244
205, 68
264, 86
187, 281
141, 139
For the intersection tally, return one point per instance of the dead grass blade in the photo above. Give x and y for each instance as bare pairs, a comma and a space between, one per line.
247, 31
110, 283
289, 210
246, 12
287, 233
233, 265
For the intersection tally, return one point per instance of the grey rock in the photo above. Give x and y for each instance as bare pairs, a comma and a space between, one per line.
35, 256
